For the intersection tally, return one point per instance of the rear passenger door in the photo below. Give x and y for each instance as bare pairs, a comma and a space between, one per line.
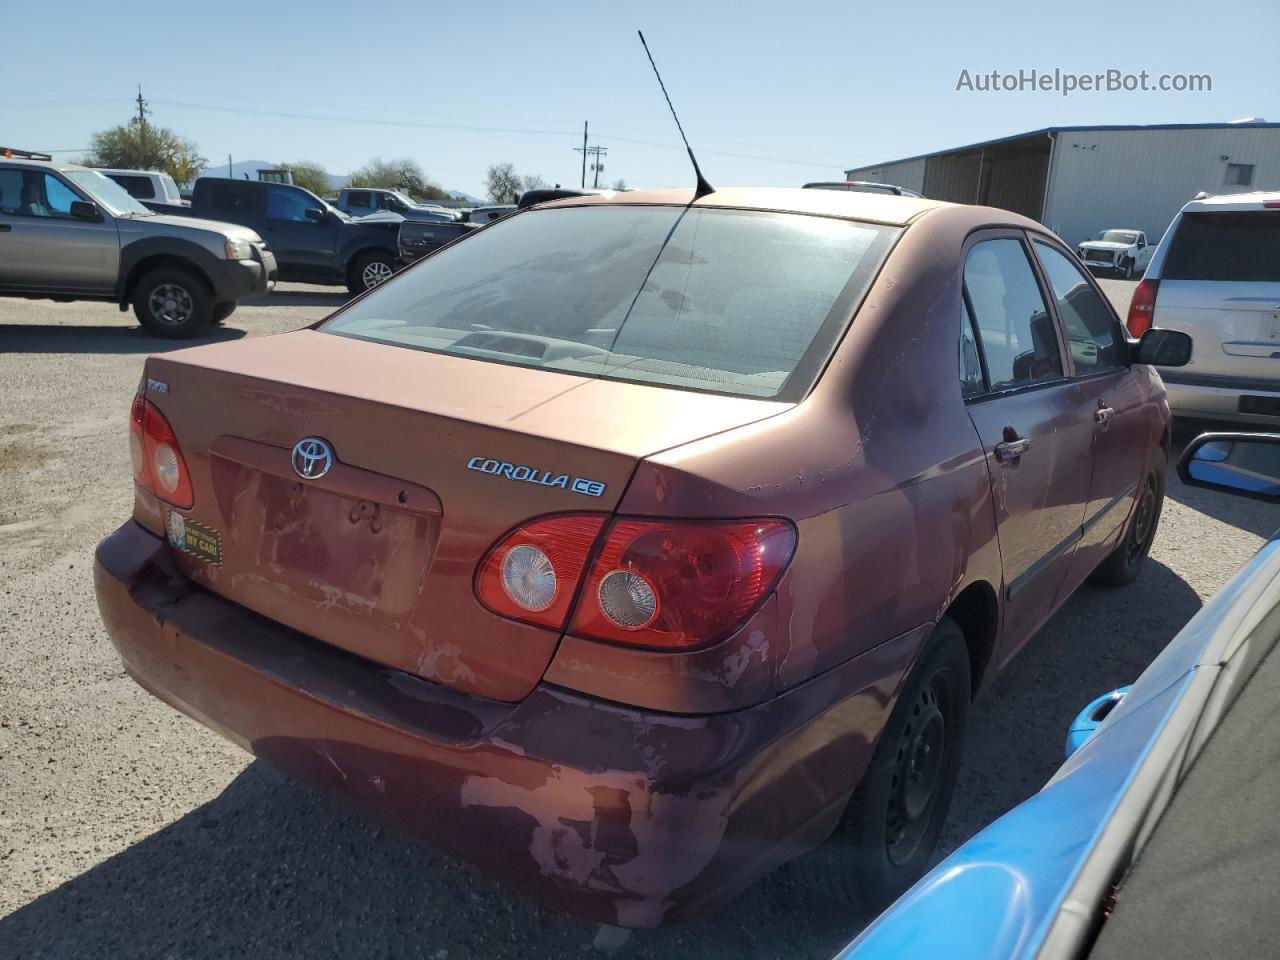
1123, 426
1035, 424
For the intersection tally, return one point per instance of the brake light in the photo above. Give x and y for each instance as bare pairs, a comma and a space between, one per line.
532, 574
664, 584
1142, 308
673, 584
157, 458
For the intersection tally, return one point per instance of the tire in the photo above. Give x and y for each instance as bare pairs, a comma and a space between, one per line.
1125, 562
887, 833
1126, 268
172, 302
223, 310
370, 269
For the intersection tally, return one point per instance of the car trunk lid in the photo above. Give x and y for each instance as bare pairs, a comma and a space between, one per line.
435, 458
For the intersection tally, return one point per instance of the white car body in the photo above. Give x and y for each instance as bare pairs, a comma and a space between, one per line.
1216, 276
1122, 249
146, 184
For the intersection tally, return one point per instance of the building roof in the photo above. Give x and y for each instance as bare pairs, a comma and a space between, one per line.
1045, 131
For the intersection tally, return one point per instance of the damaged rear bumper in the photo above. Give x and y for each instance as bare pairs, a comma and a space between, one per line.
617, 815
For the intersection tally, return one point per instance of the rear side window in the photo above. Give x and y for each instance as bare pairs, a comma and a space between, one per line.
730, 301
1093, 334
140, 187
1019, 340
359, 199
230, 198
1236, 245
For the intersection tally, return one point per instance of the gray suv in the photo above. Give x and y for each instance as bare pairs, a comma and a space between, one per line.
69, 233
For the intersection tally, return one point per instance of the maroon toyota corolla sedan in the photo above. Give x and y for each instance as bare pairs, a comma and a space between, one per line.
634, 546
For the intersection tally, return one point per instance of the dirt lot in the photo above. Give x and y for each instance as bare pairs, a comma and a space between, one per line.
127, 830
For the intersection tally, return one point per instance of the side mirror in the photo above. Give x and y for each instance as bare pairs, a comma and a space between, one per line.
1163, 348
1087, 721
315, 215
85, 210
1247, 464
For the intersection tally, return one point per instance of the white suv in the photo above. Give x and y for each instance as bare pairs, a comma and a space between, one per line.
1216, 276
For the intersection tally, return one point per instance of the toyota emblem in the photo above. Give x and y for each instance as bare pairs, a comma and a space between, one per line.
312, 458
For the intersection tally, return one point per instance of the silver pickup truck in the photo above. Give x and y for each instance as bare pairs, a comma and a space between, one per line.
69, 233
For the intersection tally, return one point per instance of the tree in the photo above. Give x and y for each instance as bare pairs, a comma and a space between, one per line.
619, 184
533, 182
139, 145
309, 176
403, 174
503, 183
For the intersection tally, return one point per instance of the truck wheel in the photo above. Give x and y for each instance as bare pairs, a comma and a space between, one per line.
222, 310
1126, 268
887, 834
172, 302
370, 269
1126, 560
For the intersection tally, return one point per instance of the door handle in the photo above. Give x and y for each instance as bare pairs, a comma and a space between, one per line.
1103, 413
1009, 450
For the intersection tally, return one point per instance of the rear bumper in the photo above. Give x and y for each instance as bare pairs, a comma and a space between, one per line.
1222, 398
617, 815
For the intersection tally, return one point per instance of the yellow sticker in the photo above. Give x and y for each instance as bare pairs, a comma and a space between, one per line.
194, 538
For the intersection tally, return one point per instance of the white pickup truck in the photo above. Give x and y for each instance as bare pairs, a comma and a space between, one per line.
1123, 250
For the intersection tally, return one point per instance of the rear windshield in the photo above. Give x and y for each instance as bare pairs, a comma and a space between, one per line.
728, 301
1226, 246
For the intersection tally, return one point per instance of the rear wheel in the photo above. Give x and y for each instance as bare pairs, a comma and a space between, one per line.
370, 269
222, 310
888, 831
172, 302
1126, 561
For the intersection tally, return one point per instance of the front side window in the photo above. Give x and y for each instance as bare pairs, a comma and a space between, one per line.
33, 193
286, 204
729, 301
1093, 332
1018, 336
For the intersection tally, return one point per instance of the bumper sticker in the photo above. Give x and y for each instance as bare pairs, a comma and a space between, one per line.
194, 538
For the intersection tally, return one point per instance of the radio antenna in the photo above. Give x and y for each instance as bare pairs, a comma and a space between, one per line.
703, 187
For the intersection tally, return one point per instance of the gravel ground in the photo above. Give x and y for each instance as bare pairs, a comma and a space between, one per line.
127, 830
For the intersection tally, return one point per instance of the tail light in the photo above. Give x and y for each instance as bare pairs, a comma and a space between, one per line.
1142, 308
532, 574
665, 584
157, 459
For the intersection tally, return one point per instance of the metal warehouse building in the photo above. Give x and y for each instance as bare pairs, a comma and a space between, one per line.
1079, 180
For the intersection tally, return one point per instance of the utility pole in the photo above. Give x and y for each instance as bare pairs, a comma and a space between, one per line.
142, 108
229, 173
596, 152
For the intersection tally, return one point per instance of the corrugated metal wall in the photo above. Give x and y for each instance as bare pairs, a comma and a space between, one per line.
1141, 178
908, 173
952, 177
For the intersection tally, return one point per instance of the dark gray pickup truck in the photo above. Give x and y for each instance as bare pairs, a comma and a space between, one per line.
69, 233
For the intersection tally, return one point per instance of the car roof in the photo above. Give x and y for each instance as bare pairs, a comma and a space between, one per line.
849, 204
42, 164
1259, 200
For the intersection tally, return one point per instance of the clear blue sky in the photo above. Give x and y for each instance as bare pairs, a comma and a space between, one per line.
770, 93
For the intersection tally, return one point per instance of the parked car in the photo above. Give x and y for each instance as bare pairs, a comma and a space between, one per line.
313, 242
418, 238
70, 233
1124, 251
482, 215
362, 201
1157, 837
862, 186
156, 190
607, 551
1216, 276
